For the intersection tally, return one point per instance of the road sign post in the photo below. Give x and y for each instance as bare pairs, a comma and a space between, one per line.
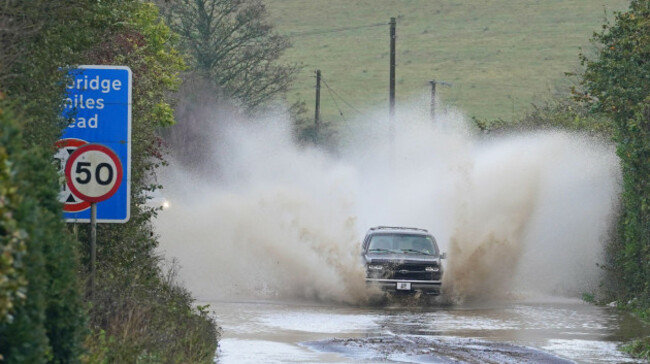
94, 173
93, 247
94, 152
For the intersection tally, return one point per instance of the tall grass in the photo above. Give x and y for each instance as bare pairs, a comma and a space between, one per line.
154, 322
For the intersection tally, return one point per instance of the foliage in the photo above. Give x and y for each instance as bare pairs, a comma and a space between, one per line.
153, 323
13, 283
558, 112
564, 113
198, 110
616, 83
143, 317
307, 132
589, 297
232, 43
639, 348
48, 324
14, 30
59, 31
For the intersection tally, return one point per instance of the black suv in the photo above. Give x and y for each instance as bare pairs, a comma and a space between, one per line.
403, 260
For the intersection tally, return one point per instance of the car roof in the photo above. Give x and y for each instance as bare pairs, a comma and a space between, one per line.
397, 230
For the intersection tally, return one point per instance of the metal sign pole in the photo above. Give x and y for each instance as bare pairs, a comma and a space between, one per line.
93, 246
93, 173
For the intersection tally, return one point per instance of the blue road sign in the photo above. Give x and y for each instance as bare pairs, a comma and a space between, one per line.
98, 103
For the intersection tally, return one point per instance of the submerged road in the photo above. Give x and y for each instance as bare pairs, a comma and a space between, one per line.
544, 331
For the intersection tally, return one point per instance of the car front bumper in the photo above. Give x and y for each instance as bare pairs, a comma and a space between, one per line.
390, 285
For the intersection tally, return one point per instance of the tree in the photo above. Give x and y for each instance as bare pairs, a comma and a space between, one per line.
617, 84
232, 43
47, 322
132, 290
14, 31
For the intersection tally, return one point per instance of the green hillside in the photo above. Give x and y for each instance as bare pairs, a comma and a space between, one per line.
499, 55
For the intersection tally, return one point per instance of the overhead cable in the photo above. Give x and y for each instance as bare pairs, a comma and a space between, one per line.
339, 96
334, 30
329, 90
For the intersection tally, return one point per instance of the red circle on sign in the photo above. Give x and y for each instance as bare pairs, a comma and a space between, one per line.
78, 154
70, 142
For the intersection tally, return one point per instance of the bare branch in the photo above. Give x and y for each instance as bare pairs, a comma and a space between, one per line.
233, 43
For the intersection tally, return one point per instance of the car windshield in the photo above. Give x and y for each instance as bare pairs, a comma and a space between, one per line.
401, 243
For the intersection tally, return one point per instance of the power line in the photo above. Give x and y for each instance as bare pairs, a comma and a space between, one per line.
335, 103
339, 96
334, 30
329, 90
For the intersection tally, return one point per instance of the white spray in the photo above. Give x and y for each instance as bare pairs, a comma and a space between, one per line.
284, 222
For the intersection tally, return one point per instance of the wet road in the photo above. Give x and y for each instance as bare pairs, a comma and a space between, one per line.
553, 331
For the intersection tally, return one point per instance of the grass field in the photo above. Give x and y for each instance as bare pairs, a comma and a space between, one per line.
499, 55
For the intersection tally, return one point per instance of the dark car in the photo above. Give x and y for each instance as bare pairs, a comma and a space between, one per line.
403, 260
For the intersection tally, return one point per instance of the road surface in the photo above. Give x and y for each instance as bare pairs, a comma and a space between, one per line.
541, 331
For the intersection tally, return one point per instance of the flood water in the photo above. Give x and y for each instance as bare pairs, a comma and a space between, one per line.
551, 330
262, 223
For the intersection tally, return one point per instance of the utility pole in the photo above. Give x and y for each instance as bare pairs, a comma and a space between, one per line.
391, 93
317, 112
433, 99
433, 95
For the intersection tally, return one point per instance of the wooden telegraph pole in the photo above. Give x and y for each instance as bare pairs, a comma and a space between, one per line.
391, 92
317, 112
433, 95
433, 99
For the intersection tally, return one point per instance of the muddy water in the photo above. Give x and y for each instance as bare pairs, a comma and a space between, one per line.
553, 330
523, 215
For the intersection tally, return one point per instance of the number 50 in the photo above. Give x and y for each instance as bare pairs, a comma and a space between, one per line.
84, 168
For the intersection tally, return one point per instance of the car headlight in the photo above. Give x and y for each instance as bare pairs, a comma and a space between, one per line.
375, 267
432, 269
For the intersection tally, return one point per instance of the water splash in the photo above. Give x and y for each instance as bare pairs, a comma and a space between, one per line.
266, 218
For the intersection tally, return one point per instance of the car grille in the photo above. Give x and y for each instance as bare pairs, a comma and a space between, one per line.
405, 272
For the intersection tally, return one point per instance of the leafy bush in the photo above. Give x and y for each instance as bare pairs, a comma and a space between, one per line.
560, 111
152, 322
13, 282
48, 325
639, 348
616, 84
136, 315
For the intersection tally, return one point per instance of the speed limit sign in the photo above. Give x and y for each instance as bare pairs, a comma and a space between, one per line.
93, 172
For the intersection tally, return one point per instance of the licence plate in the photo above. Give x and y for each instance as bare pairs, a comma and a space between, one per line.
404, 286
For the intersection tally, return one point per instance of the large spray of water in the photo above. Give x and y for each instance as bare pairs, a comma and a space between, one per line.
524, 213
